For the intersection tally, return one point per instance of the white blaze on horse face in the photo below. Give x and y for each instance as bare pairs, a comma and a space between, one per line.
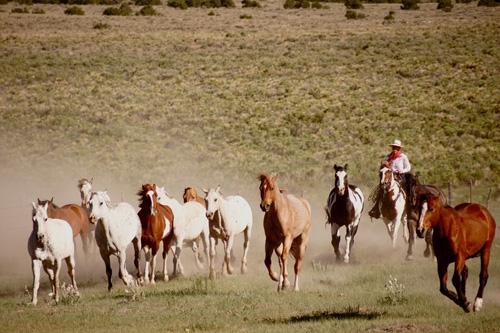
39, 217
423, 211
152, 209
212, 203
340, 181
85, 193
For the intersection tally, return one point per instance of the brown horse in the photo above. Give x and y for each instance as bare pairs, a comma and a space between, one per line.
157, 223
190, 194
76, 217
287, 222
459, 233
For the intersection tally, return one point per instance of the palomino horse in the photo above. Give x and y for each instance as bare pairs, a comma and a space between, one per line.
415, 191
50, 242
116, 226
234, 217
460, 233
157, 222
287, 221
392, 204
190, 224
344, 206
75, 216
85, 188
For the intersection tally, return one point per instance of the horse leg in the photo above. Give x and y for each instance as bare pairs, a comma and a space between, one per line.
123, 273
246, 244
228, 246
267, 261
70, 262
166, 248
406, 228
299, 253
459, 280
147, 256
136, 242
411, 239
443, 277
483, 278
212, 242
428, 243
351, 231
283, 282
109, 271
36, 266
335, 228
55, 279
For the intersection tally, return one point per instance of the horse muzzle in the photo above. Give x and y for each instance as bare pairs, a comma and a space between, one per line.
420, 232
264, 206
210, 215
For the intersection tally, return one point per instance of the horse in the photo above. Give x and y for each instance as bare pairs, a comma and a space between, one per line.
157, 223
392, 204
190, 224
116, 226
415, 191
344, 206
85, 188
459, 233
287, 222
50, 242
190, 194
75, 216
228, 217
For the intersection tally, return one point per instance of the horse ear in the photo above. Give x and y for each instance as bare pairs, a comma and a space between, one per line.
51, 200
345, 167
218, 189
335, 167
39, 202
91, 180
204, 190
34, 205
275, 177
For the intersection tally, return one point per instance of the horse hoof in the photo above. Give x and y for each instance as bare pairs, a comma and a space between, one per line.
478, 304
467, 307
346, 260
409, 257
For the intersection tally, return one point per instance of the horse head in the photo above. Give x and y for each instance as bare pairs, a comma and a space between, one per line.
85, 187
429, 205
149, 195
268, 188
341, 182
212, 197
386, 178
39, 216
190, 194
99, 204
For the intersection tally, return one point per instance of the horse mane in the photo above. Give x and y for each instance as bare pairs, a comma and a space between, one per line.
50, 202
83, 181
142, 193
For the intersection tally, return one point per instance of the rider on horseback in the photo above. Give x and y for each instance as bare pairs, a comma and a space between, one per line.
400, 165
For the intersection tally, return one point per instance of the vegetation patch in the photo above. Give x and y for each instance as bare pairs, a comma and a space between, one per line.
74, 10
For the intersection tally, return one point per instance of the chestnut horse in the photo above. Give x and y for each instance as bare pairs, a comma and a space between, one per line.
344, 206
76, 217
287, 222
459, 233
157, 223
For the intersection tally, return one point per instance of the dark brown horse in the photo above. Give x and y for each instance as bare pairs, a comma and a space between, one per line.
76, 217
459, 233
287, 222
415, 190
157, 223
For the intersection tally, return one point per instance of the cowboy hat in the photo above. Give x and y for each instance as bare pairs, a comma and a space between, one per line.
396, 143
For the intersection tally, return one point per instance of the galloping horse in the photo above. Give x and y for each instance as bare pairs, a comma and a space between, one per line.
287, 222
234, 217
75, 216
460, 233
190, 224
416, 191
157, 222
116, 226
344, 206
392, 204
85, 188
50, 242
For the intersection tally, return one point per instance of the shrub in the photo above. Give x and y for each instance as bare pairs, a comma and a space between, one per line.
410, 4
445, 5
488, 3
354, 15
124, 10
291, 4
317, 5
250, 4
148, 11
18, 10
74, 11
389, 18
101, 26
147, 2
353, 4
245, 16
38, 11
177, 4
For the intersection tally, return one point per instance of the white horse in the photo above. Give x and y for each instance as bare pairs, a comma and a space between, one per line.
235, 217
392, 205
50, 242
116, 226
190, 223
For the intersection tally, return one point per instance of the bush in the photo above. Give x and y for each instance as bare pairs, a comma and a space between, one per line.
354, 15
250, 4
148, 11
100, 26
147, 2
177, 4
410, 4
74, 11
38, 11
20, 10
246, 16
124, 10
488, 3
445, 5
353, 4
291, 4
389, 18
